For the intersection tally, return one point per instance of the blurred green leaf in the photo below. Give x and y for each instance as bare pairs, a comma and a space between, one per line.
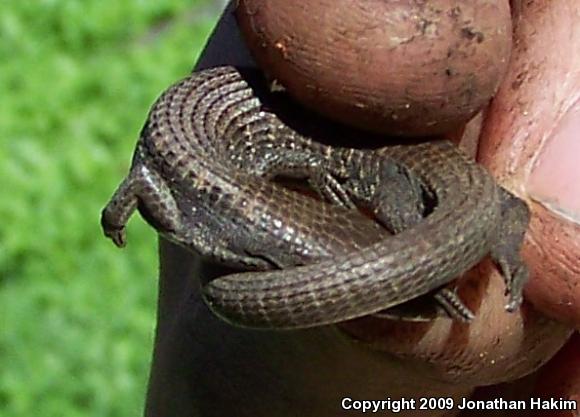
76, 314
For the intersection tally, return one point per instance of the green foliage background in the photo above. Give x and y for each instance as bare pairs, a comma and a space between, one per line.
77, 315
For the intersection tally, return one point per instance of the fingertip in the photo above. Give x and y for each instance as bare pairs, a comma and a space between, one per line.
555, 176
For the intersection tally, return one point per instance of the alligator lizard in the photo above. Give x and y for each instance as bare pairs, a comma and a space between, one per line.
202, 176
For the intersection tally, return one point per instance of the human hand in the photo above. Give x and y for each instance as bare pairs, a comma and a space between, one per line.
205, 366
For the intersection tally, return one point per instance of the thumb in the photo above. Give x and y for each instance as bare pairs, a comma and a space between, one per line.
531, 143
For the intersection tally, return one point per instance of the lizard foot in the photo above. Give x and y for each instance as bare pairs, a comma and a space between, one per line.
451, 304
446, 304
506, 252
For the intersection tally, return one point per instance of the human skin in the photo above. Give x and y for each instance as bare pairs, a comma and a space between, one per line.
204, 367
422, 94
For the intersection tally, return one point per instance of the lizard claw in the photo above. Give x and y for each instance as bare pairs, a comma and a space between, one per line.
515, 287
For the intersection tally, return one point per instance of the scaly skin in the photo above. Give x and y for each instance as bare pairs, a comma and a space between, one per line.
201, 175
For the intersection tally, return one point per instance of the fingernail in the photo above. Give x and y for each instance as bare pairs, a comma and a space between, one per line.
555, 179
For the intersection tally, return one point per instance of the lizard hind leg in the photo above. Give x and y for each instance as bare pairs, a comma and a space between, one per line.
398, 200
145, 190
505, 253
